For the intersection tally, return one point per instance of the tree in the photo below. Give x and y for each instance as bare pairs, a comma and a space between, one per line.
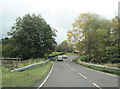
95, 37
4, 41
115, 39
32, 37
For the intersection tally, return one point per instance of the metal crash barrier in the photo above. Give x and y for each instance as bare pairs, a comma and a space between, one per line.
26, 67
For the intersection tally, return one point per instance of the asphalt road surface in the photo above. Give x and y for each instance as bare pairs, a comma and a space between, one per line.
68, 74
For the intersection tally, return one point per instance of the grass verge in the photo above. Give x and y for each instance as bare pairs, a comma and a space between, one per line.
26, 78
71, 54
98, 68
54, 53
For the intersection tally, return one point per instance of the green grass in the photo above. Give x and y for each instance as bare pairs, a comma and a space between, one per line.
54, 53
98, 68
112, 65
27, 78
71, 54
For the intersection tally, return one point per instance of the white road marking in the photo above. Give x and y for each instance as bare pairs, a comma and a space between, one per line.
82, 75
73, 69
96, 85
46, 77
66, 64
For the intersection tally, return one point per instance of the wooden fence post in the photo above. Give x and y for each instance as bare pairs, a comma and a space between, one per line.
16, 63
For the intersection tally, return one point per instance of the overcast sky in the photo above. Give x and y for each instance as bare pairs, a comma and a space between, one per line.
60, 14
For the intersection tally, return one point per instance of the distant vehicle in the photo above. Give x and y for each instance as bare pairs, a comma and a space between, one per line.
65, 57
76, 51
60, 58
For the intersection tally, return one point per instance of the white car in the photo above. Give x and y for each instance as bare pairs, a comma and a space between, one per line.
60, 58
65, 57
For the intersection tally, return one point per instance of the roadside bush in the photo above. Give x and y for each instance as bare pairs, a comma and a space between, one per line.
83, 58
75, 60
116, 60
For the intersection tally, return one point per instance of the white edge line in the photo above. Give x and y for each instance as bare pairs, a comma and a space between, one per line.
46, 77
96, 85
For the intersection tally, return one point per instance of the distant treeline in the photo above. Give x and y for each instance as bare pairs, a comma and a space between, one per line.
64, 47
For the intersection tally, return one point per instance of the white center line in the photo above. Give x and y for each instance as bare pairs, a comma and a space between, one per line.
68, 66
82, 75
73, 69
96, 85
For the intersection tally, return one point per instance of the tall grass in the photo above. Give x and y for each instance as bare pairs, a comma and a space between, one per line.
27, 78
115, 72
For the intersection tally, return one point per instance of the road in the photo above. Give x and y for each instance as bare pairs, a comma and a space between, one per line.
68, 74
